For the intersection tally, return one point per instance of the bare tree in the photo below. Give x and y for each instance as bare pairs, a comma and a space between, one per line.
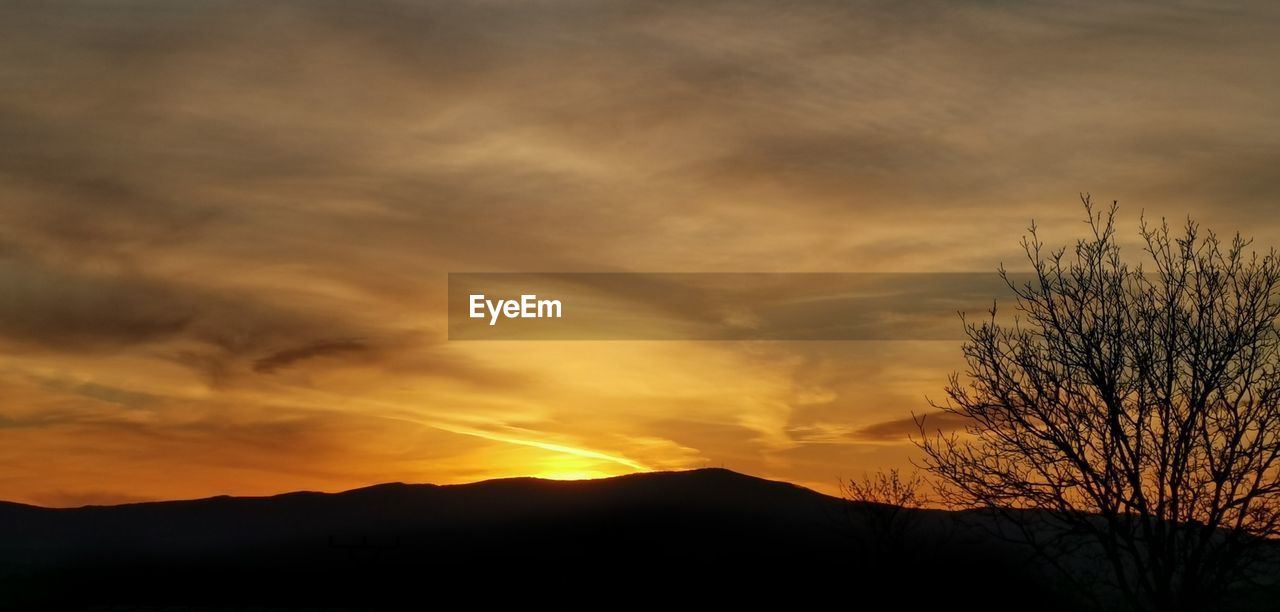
888, 488
1133, 410
885, 508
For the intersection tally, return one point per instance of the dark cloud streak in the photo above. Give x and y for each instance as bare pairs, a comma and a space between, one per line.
285, 358
899, 430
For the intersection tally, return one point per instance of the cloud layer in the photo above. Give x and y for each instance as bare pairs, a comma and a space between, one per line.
225, 227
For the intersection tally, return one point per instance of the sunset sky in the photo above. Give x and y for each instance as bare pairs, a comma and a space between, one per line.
226, 227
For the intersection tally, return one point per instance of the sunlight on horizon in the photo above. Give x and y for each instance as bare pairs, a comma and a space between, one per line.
578, 475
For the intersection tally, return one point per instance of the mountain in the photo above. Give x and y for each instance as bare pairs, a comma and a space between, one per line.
709, 535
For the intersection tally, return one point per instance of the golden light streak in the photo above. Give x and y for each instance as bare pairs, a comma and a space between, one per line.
559, 448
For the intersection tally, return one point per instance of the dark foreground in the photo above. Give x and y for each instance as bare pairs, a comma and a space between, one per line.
713, 537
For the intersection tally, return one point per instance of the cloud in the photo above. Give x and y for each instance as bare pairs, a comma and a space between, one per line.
193, 195
104, 393
64, 309
902, 429
285, 358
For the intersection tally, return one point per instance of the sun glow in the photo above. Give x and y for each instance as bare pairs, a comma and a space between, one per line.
572, 467
572, 474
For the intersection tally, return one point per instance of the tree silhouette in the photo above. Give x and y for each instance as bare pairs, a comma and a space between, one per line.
1129, 418
885, 509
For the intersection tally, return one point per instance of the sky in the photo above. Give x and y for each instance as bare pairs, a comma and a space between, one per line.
226, 228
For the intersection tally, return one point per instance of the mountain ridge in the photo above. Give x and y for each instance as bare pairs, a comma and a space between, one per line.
415, 485
383, 541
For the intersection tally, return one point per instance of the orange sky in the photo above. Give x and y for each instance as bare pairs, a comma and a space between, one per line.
225, 228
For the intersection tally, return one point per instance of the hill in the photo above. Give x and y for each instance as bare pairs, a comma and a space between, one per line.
711, 534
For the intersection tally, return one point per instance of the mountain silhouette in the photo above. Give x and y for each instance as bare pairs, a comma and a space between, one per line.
711, 535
